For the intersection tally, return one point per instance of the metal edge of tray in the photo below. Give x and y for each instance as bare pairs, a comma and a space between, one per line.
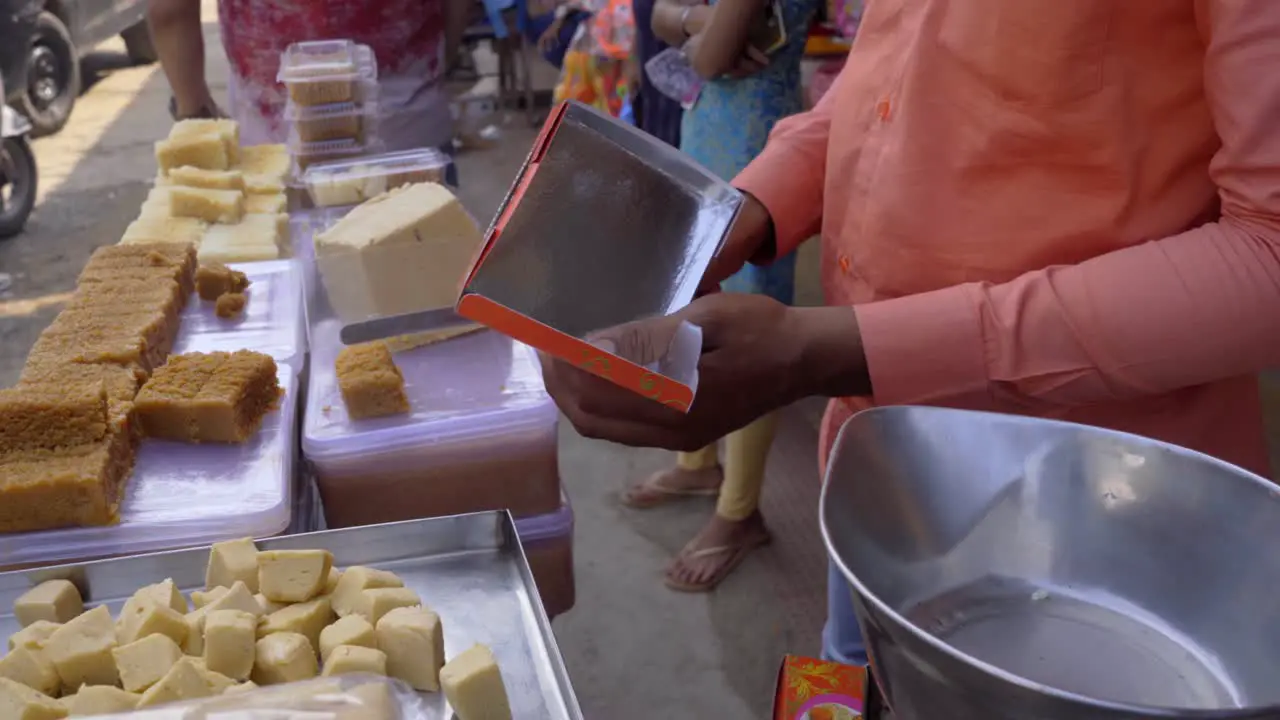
113, 579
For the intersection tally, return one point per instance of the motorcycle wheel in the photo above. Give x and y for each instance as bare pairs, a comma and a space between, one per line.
53, 77
17, 185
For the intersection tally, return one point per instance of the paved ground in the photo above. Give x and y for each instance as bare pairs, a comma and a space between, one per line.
634, 649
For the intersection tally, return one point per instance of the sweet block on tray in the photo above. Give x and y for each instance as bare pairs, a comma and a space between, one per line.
370, 382
34, 419
176, 261
215, 279
208, 397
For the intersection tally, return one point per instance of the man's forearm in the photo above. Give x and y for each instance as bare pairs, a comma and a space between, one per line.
833, 363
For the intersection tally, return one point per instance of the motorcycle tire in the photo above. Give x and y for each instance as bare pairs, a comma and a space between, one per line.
53, 39
18, 178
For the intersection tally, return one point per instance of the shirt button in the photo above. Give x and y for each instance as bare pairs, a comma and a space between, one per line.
845, 264
884, 109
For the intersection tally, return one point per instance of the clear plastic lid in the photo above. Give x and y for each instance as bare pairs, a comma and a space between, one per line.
368, 106
352, 181
547, 527
482, 391
306, 154
272, 322
327, 61
181, 495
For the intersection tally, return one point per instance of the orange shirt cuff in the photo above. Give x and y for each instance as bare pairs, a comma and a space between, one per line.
788, 190
925, 348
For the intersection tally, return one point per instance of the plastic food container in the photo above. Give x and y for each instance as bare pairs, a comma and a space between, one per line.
181, 495
336, 121
481, 435
272, 323
310, 153
351, 182
327, 71
548, 544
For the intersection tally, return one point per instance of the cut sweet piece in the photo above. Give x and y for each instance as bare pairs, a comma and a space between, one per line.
194, 644
331, 582
237, 597
100, 700
284, 657
200, 598
253, 239
229, 640
150, 229
266, 168
184, 681
293, 575
19, 702
165, 593
215, 279
217, 682
55, 601
373, 604
228, 130
268, 606
260, 204
371, 384
230, 305
214, 206
31, 668
32, 419
208, 179
205, 150
176, 260
473, 686
145, 615
33, 636
230, 561
355, 580
240, 688
142, 663
81, 650
308, 618
349, 659
94, 337
215, 397
350, 630
413, 640
74, 487
403, 251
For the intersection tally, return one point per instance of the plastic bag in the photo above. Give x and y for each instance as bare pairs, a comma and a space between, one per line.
345, 697
671, 74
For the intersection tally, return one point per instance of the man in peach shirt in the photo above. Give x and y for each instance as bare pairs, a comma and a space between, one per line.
1063, 209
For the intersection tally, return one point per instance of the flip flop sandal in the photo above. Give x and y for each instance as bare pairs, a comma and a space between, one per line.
647, 495
737, 553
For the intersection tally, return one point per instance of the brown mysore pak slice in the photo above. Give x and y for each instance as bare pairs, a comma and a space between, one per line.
208, 397
370, 382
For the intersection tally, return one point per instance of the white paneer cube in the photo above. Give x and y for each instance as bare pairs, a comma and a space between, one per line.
349, 659
230, 637
81, 650
357, 579
473, 685
350, 630
144, 662
53, 600
231, 561
283, 658
292, 576
413, 639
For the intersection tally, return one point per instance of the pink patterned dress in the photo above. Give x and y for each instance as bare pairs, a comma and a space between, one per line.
407, 37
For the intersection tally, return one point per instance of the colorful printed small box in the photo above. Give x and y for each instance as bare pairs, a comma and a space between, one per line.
810, 689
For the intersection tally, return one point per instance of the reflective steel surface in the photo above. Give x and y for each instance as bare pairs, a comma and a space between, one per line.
1009, 568
469, 569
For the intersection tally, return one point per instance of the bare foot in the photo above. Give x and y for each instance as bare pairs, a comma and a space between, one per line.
715, 551
673, 484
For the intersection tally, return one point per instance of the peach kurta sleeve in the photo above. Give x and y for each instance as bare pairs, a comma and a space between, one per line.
1176, 312
788, 176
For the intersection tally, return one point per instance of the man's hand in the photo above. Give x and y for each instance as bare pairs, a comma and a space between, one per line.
757, 356
750, 236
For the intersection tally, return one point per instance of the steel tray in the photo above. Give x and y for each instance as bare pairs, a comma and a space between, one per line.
470, 569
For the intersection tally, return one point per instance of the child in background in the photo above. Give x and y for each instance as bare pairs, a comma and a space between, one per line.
598, 67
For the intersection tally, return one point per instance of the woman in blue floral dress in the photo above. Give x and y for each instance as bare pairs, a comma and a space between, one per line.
745, 93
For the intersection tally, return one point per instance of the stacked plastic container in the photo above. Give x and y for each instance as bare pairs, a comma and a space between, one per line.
344, 183
332, 110
181, 495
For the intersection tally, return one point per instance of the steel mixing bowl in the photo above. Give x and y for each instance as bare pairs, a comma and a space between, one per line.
1023, 569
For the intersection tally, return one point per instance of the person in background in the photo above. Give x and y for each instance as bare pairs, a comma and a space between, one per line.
746, 92
1065, 210
656, 114
598, 68
410, 40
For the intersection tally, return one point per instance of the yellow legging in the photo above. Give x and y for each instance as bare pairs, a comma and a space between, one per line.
745, 453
